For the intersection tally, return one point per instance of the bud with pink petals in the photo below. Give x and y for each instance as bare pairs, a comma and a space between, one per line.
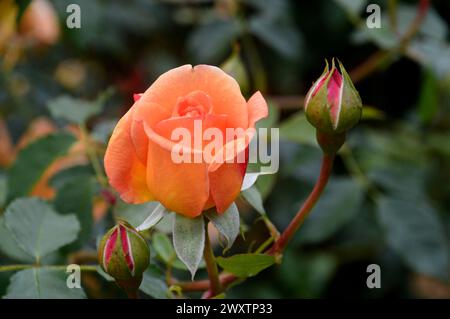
124, 254
333, 105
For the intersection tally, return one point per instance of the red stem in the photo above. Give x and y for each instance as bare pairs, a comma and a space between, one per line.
200, 285
378, 58
211, 266
226, 279
303, 212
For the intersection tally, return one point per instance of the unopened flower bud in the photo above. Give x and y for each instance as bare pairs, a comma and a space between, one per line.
124, 254
333, 105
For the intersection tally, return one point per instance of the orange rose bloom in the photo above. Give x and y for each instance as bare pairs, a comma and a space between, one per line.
139, 158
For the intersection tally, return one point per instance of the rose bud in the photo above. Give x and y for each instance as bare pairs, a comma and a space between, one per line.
124, 254
333, 105
139, 159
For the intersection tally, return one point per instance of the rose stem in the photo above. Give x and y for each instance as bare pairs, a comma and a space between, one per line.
288, 233
55, 267
92, 156
286, 236
211, 266
378, 58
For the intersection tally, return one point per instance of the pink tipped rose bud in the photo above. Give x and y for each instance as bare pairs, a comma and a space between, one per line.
333, 105
124, 254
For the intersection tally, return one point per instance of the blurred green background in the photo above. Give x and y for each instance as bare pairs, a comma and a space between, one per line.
388, 202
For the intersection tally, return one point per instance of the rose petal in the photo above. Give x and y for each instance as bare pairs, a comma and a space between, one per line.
226, 172
225, 183
335, 86
226, 178
150, 113
232, 151
126, 173
223, 90
109, 248
194, 127
137, 96
127, 249
257, 109
198, 100
180, 187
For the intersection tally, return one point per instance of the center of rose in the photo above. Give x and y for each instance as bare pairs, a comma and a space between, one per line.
195, 104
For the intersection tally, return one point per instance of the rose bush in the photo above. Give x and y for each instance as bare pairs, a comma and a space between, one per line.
139, 158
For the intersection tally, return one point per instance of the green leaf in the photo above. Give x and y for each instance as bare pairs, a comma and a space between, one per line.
272, 119
3, 189
412, 177
340, 202
164, 248
34, 160
153, 218
135, 214
72, 110
312, 273
297, 129
383, 37
414, 231
59, 179
388, 160
9, 247
428, 100
41, 283
75, 197
440, 142
278, 31
165, 225
353, 7
37, 228
433, 26
264, 181
210, 42
153, 284
76, 110
235, 67
434, 54
161, 243
246, 265
253, 197
189, 240
249, 180
265, 184
227, 223
103, 130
